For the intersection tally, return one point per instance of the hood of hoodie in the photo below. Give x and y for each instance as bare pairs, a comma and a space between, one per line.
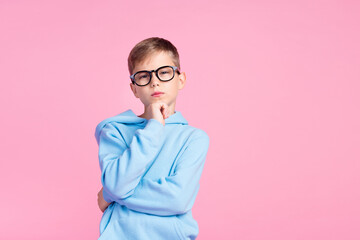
129, 117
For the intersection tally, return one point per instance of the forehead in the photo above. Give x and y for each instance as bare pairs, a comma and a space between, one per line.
154, 61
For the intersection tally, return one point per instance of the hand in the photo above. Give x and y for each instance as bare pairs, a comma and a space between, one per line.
159, 111
101, 201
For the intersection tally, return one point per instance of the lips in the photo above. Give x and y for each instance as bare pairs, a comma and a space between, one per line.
157, 94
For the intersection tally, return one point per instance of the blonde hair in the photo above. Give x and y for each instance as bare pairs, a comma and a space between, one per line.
149, 46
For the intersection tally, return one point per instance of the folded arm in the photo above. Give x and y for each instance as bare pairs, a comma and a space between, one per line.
173, 194
122, 167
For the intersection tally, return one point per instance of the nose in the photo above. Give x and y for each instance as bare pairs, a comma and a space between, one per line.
154, 80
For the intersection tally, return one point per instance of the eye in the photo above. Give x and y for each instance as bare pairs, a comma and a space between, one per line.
141, 76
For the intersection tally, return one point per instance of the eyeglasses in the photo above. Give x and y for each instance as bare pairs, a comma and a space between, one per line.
164, 74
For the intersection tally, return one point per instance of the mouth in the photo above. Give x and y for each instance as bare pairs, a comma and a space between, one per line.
157, 94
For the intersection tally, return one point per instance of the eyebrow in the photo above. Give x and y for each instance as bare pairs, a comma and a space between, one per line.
155, 68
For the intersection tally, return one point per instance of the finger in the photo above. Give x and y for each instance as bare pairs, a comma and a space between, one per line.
167, 113
163, 111
163, 106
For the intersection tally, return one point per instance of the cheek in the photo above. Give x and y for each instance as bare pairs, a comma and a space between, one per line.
174, 84
143, 92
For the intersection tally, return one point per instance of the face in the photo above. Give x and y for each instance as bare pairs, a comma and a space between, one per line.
170, 88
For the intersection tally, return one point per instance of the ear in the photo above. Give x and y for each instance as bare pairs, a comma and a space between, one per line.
133, 89
182, 80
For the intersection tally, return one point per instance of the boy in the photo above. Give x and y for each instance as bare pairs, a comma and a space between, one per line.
150, 164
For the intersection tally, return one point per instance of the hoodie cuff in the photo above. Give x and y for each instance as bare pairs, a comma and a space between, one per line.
106, 196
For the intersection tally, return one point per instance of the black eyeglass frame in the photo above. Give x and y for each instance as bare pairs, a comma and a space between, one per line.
175, 69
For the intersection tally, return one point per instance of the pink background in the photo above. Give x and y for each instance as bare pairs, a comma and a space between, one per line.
275, 85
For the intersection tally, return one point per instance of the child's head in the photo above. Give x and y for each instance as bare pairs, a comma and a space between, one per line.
149, 46
154, 66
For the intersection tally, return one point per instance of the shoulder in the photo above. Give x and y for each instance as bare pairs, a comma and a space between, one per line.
197, 134
200, 133
107, 131
124, 117
114, 123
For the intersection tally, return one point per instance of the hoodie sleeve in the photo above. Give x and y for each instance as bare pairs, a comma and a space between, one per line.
174, 194
121, 166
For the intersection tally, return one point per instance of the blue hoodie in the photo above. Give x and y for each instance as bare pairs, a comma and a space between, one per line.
150, 173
